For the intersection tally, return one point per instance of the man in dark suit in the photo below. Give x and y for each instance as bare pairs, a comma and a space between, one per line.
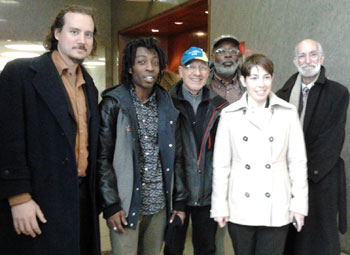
48, 134
322, 105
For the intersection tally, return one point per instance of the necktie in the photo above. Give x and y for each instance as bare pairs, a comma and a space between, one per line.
302, 104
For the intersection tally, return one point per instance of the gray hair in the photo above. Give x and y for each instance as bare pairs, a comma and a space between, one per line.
319, 47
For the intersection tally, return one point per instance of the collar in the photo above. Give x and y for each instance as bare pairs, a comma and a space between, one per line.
311, 84
187, 94
151, 98
62, 67
217, 77
243, 104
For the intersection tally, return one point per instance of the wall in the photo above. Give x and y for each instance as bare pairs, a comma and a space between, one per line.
126, 14
274, 27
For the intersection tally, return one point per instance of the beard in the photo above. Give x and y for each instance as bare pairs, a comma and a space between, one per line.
309, 72
225, 71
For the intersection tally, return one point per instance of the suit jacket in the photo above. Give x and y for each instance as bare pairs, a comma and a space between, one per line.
37, 137
324, 131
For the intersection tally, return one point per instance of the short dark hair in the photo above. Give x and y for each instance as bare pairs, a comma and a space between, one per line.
50, 42
129, 55
256, 60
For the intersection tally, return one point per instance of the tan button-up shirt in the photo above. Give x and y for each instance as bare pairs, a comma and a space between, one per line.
74, 87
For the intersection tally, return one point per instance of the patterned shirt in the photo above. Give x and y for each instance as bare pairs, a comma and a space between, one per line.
152, 194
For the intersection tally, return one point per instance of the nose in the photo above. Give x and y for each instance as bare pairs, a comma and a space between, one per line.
150, 66
307, 59
82, 38
196, 71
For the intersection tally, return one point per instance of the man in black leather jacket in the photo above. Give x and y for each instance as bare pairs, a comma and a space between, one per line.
199, 110
137, 153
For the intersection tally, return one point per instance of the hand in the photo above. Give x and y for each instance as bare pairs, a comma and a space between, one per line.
221, 221
181, 214
24, 218
116, 221
299, 219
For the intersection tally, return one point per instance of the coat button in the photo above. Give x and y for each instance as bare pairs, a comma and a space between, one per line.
245, 138
6, 172
271, 139
62, 134
170, 145
168, 169
137, 189
133, 214
267, 194
171, 122
267, 166
247, 166
316, 172
247, 194
132, 224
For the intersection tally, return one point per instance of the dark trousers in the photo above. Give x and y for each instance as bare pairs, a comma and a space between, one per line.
203, 232
86, 247
260, 240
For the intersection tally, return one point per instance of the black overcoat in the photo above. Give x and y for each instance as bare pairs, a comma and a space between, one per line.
324, 131
37, 137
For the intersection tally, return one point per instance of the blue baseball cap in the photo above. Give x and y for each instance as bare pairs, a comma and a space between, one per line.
194, 53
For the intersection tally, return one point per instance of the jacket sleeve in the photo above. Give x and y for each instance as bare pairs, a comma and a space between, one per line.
297, 167
325, 149
180, 191
222, 168
14, 170
106, 178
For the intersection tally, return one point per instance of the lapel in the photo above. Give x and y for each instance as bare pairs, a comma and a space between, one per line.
49, 86
91, 97
312, 100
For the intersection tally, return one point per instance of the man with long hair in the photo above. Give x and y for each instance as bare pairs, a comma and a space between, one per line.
48, 133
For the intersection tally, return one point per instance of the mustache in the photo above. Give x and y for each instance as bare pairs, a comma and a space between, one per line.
80, 47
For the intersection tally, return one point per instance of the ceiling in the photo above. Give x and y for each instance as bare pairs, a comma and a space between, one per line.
165, 22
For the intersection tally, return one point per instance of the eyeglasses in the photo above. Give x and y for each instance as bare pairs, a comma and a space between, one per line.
231, 51
312, 55
192, 68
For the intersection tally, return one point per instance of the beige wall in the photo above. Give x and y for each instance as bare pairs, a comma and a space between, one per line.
274, 27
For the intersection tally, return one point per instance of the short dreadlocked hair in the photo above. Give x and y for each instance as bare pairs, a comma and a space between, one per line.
129, 55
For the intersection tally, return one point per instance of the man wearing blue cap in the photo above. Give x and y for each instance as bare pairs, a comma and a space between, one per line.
199, 109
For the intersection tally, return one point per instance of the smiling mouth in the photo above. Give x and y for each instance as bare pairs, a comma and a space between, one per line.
149, 79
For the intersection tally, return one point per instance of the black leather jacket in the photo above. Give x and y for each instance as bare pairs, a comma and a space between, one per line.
197, 152
120, 186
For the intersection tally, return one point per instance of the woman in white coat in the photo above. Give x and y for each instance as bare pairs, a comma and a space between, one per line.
260, 173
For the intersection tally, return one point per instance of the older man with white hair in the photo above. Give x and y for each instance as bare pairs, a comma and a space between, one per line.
322, 105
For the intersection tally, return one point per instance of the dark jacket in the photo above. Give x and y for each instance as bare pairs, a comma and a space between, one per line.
197, 152
324, 131
37, 137
118, 167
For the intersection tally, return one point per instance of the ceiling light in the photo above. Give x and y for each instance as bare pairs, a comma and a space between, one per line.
3, 20
200, 34
206, 12
155, 30
8, 2
90, 67
19, 54
94, 63
178, 22
102, 59
25, 47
